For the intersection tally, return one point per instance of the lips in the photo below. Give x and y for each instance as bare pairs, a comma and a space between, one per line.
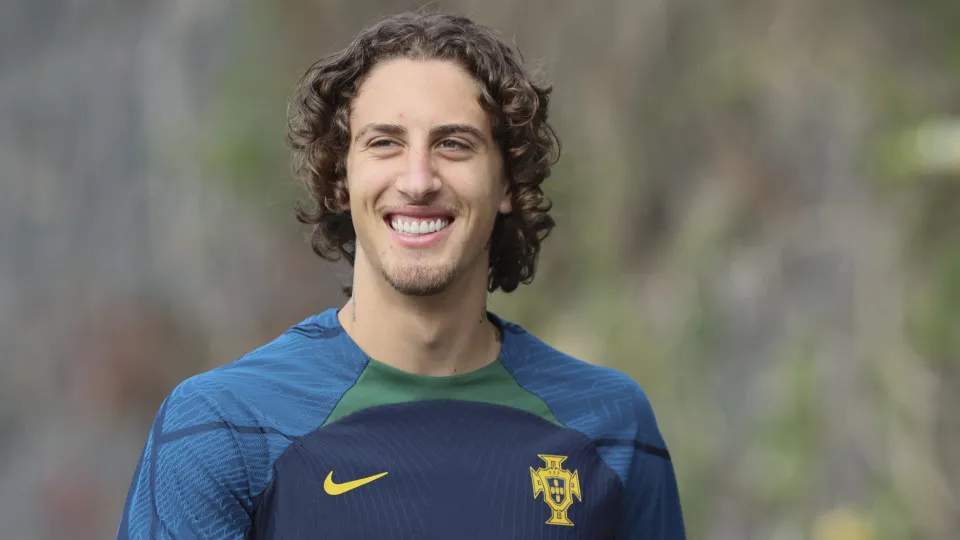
419, 227
418, 220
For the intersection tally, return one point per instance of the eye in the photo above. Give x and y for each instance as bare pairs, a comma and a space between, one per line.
452, 144
382, 143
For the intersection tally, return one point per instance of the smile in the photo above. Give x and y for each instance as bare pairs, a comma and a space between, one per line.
418, 227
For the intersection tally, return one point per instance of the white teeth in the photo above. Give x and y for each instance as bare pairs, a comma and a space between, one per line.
417, 227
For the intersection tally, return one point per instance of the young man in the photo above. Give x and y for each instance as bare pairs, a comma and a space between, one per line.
412, 413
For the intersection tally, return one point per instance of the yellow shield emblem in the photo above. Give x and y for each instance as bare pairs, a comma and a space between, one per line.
559, 487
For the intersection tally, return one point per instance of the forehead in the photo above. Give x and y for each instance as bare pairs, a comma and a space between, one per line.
419, 92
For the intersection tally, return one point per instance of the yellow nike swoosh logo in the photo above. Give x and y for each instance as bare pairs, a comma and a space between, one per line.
333, 488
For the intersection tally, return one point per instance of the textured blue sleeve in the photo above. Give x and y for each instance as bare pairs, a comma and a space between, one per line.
651, 501
191, 482
611, 409
212, 446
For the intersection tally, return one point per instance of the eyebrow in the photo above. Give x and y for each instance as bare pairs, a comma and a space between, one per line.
457, 129
438, 132
386, 129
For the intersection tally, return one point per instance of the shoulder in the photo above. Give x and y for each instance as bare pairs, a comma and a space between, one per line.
601, 402
276, 386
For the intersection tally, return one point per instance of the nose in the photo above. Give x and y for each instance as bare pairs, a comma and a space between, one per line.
419, 181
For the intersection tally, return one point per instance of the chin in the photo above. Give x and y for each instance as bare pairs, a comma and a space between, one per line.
420, 290
419, 279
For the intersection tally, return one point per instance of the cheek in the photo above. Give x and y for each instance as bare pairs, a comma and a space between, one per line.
480, 184
364, 184
486, 207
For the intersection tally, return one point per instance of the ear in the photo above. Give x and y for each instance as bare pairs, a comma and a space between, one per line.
506, 201
506, 205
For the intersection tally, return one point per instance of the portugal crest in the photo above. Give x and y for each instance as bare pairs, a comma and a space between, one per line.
558, 485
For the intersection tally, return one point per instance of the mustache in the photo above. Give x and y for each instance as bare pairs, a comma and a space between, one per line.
394, 207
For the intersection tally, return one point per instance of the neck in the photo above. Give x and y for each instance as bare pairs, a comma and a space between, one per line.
440, 335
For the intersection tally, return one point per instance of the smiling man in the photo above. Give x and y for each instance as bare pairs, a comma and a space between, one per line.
413, 412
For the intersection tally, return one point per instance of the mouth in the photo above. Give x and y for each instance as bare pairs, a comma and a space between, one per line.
417, 222
416, 228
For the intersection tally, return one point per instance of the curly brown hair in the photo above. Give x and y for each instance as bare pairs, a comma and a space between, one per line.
318, 133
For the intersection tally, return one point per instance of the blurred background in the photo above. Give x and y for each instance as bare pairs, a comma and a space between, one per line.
756, 222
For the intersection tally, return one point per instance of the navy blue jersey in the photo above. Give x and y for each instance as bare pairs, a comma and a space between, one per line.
308, 437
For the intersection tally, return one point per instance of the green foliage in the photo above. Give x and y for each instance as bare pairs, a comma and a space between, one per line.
242, 148
934, 323
788, 434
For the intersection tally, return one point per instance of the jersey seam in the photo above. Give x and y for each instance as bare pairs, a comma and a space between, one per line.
593, 442
637, 444
534, 394
351, 387
166, 438
247, 505
294, 440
